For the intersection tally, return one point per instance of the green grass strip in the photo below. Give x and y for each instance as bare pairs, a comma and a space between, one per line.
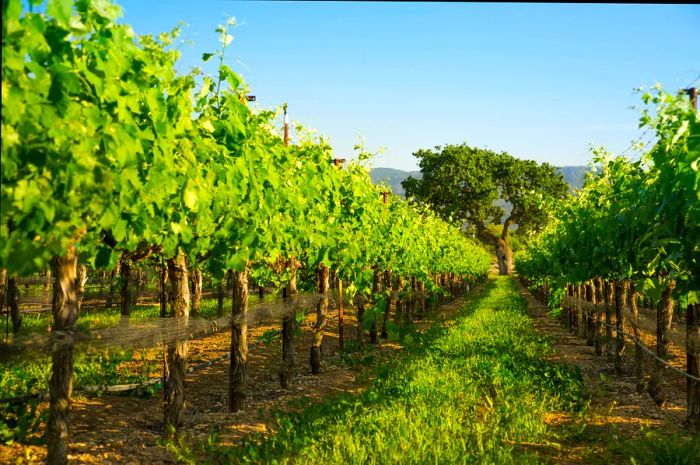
469, 392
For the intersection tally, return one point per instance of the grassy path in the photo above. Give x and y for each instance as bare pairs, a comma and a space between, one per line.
473, 390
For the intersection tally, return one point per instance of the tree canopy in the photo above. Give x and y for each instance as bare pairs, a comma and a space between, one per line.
464, 183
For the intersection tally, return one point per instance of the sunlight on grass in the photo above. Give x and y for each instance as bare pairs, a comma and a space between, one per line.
469, 393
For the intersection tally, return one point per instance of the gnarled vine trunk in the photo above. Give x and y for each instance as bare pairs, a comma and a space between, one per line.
360, 303
196, 292
390, 301
620, 291
582, 324
400, 301
238, 365
112, 284
598, 296
692, 328
3, 287
664, 316
609, 302
174, 386
322, 286
13, 304
376, 289
421, 297
411, 308
220, 295
65, 309
125, 275
163, 291
590, 315
638, 373
288, 326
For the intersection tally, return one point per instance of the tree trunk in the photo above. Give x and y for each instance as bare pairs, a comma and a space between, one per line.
321, 309
174, 386
288, 326
261, 293
609, 299
376, 289
638, 373
196, 277
125, 275
664, 316
164, 291
65, 310
620, 288
503, 251
238, 367
692, 341
390, 301
13, 304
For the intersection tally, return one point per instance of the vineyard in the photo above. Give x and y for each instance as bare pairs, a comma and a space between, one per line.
631, 239
182, 281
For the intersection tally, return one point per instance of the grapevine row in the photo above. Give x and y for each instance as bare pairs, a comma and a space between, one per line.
110, 155
631, 234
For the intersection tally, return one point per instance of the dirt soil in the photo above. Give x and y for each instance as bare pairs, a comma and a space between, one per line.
128, 430
616, 408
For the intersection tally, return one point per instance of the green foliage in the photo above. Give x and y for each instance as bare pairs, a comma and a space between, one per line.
464, 182
636, 220
141, 166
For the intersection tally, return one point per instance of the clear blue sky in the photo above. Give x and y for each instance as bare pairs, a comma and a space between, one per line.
540, 81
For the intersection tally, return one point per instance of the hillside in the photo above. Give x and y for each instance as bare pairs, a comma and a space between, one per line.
573, 175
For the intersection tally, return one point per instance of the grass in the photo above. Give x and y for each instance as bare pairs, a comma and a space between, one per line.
468, 391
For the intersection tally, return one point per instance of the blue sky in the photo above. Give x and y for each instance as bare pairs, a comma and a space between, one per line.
540, 81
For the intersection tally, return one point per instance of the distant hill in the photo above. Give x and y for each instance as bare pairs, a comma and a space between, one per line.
393, 177
573, 175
